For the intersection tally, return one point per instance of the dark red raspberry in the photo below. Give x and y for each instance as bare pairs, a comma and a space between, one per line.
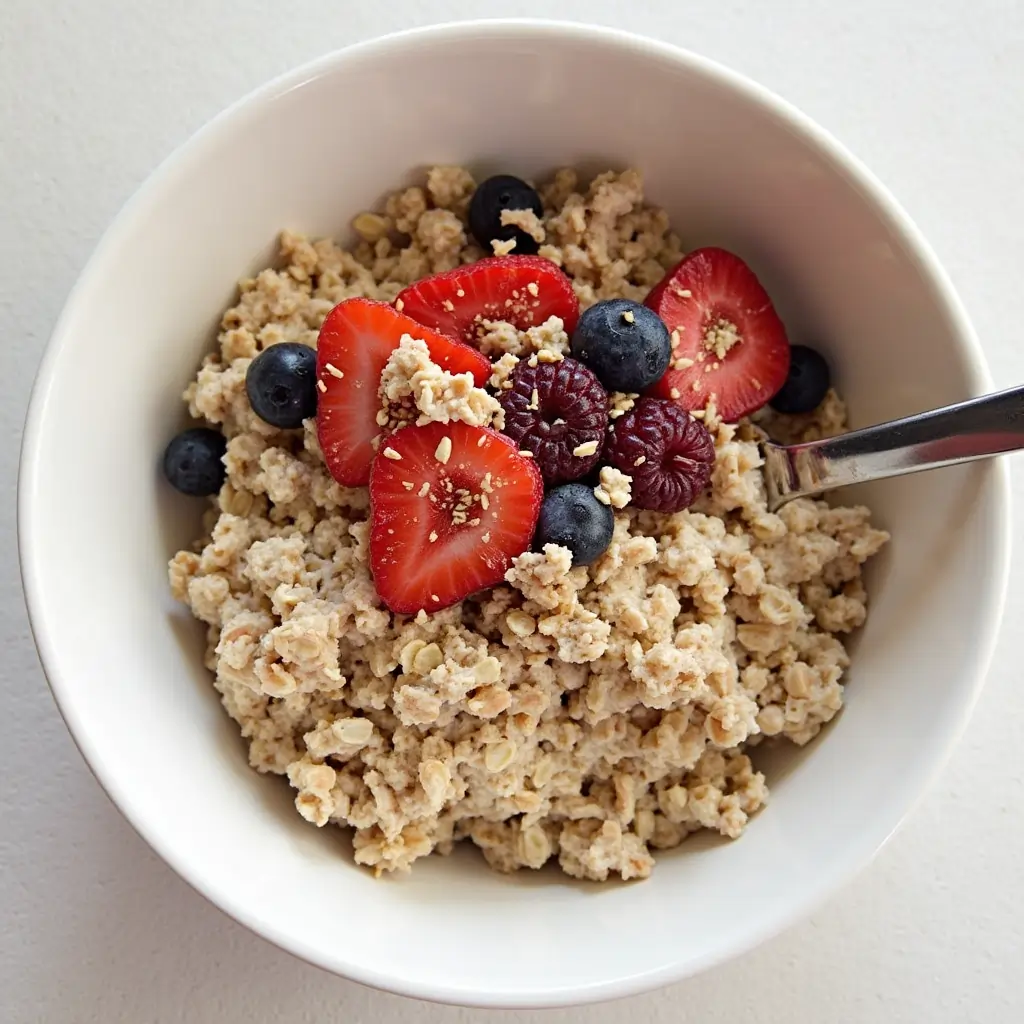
551, 410
666, 451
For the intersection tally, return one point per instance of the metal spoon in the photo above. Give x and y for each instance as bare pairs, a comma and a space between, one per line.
976, 429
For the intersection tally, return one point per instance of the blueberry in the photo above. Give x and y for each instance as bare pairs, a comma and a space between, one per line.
572, 517
808, 380
503, 192
281, 384
193, 461
624, 343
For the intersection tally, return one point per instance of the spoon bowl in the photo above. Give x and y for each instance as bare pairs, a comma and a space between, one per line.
979, 428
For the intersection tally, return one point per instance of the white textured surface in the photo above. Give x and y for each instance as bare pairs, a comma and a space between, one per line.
92, 94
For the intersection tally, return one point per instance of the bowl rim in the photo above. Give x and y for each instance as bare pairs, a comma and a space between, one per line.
191, 150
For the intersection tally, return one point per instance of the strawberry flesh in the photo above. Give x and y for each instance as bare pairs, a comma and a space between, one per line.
480, 506
707, 301
521, 290
356, 339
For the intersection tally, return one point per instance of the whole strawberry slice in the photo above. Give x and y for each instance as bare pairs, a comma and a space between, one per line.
356, 339
521, 290
450, 506
727, 339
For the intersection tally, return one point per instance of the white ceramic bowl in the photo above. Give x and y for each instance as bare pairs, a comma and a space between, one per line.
735, 166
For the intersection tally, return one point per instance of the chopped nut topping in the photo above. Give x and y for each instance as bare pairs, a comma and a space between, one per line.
547, 355
720, 336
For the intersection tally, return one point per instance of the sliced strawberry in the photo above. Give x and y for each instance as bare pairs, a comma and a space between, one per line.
450, 506
521, 290
708, 300
355, 342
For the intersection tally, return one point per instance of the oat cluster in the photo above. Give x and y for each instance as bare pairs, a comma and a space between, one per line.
414, 389
583, 716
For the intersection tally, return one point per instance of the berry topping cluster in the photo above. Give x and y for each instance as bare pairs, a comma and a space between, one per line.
452, 501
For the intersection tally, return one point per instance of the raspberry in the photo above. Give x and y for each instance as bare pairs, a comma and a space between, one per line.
551, 410
666, 451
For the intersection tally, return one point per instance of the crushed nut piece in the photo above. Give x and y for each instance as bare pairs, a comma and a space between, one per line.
546, 355
614, 488
720, 336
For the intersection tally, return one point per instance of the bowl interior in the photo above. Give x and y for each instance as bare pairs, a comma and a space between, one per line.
733, 168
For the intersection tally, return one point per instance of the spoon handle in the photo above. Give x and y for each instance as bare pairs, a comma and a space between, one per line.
975, 429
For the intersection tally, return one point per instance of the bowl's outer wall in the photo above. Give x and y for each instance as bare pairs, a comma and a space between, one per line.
733, 167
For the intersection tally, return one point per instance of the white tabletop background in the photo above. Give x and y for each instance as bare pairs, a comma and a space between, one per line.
93, 93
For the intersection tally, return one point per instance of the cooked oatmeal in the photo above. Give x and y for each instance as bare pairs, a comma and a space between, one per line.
585, 716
